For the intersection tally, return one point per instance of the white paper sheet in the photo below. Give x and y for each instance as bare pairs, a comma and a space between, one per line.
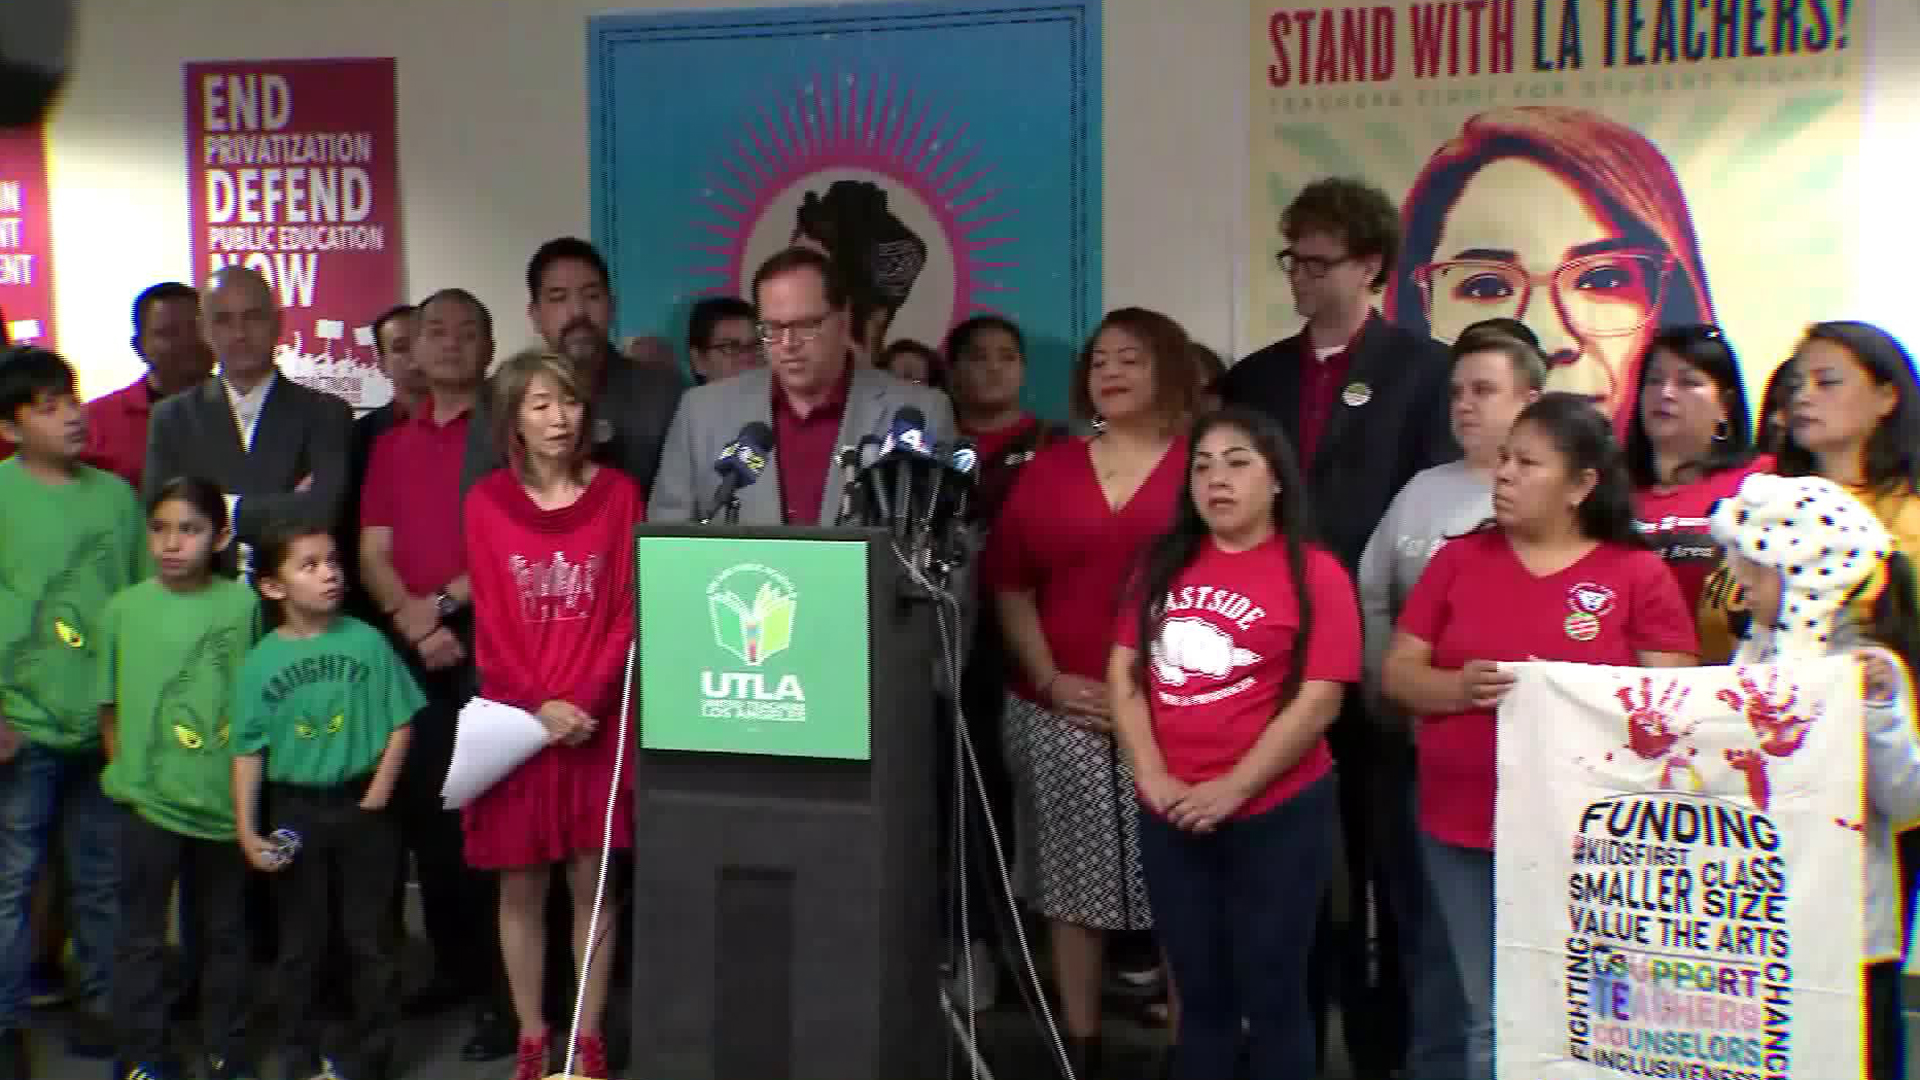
490, 741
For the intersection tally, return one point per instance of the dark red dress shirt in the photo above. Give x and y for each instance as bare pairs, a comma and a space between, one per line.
804, 448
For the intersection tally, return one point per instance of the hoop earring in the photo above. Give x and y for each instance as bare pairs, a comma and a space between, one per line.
1099, 423
1721, 431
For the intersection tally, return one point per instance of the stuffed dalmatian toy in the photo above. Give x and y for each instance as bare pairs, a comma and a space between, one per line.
1827, 546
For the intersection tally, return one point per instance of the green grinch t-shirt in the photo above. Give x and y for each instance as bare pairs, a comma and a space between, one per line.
65, 549
322, 708
168, 662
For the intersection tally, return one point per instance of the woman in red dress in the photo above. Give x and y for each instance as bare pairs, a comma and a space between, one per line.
549, 542
1689, 445
1060, 556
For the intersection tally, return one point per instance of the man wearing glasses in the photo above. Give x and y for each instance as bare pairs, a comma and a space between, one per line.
811, 395
571, 305
1364, 403
721, 341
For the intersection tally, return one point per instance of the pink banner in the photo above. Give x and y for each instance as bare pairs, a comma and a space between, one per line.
26, 238
294, 170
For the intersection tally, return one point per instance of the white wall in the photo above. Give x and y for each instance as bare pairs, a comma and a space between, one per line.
493, 150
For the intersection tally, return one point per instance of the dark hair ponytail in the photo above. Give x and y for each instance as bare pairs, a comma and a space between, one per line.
1584, 436
1163, 561
1896, 614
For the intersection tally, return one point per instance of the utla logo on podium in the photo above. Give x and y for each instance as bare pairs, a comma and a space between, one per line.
752, 608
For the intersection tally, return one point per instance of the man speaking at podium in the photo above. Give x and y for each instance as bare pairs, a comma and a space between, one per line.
811, 397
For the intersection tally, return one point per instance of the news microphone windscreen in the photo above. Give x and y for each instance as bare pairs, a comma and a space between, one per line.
745, 457
909, 431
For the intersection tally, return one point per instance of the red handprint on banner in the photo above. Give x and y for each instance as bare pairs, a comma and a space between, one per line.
1654, 733
1769, 711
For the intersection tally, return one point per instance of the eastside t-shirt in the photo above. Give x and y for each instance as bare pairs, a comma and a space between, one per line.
322, 708
168, 662
1223, 651
1477, 601
1674, 521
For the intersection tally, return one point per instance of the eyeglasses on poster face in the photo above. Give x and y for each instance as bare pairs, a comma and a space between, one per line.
1611, 294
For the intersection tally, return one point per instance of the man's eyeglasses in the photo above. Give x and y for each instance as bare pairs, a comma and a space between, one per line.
734, 350
1313, 266
1605, 295
801, 331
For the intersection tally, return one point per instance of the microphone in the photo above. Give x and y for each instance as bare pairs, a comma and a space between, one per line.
905, 446
877, 509
740, 464
965, 461
848, 461
959, 462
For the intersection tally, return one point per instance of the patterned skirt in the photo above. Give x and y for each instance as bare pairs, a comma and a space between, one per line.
1076, 824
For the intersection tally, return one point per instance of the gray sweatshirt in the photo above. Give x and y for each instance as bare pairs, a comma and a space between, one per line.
1446, 500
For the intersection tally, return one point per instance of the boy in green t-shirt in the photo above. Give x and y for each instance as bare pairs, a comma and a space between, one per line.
171, 648
70, 537
328, 704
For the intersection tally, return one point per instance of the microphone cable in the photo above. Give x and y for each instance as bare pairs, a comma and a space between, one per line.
949, 621
606, 856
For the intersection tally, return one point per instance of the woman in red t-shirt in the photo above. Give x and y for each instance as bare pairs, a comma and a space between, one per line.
1253, 635
549, 544
1689, 445
1060, 555
1561, 575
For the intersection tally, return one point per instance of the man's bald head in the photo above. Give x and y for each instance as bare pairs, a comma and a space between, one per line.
243, 279
242, 317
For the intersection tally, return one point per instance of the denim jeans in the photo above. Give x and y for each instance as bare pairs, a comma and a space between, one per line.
41, 790
1436, 1009
1235, 912
1463, 885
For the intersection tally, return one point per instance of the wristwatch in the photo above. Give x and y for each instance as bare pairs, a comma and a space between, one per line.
444, 603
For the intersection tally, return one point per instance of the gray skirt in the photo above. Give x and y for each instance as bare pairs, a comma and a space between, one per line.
1076, 822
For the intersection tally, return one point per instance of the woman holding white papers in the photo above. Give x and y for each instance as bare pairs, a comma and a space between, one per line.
548, 547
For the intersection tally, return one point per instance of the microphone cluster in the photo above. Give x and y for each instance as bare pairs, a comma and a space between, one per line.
916, 489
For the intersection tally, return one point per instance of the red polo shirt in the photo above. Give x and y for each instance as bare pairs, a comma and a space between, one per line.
117, 431
413, 488
1321, 382
805, 449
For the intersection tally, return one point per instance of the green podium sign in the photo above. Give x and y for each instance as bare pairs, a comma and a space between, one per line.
754, 646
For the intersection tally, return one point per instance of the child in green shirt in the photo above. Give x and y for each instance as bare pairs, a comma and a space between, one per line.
327, 704
70, 537
170, 650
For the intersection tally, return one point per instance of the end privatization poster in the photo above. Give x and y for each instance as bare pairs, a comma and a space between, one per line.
294, 170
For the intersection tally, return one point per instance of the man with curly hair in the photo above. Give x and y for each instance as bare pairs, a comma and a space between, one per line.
1365, 404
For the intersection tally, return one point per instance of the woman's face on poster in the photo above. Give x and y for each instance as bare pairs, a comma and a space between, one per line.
1523, 243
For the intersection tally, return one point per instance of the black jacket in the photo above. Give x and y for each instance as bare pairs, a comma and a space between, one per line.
1368, 451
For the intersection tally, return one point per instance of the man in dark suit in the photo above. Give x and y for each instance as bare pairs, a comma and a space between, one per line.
571, 305
1365, 406
278, 449
812, 396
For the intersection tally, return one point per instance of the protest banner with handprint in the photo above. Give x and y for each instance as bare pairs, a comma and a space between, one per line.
1678, 861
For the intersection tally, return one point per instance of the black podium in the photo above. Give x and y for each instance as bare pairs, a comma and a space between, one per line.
784, 916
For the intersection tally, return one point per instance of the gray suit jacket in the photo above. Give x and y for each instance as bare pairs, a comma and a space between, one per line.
301, 432
711, 415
